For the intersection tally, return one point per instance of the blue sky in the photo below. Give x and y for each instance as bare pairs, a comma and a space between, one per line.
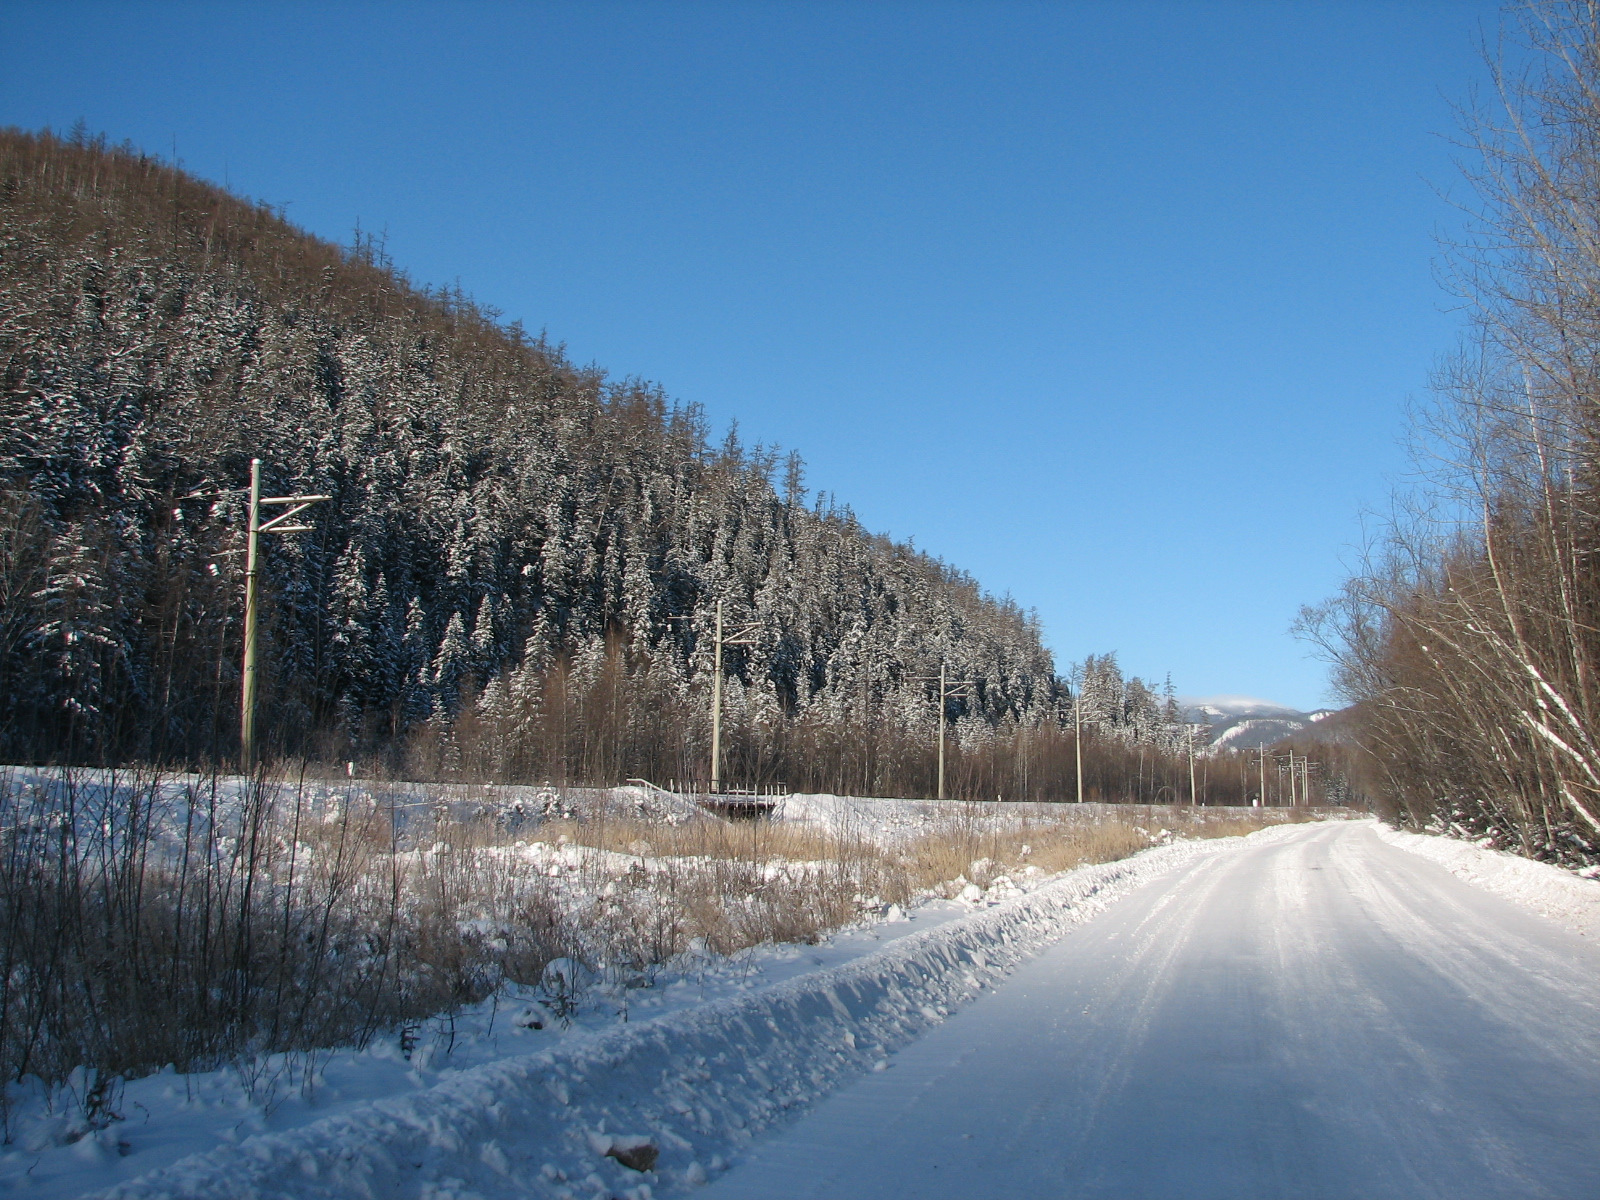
1117, 306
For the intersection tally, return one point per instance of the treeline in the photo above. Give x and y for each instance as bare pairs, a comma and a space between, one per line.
1472, 641
516, 574
599, 720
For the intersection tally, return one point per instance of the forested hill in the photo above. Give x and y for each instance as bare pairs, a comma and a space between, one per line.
492, 585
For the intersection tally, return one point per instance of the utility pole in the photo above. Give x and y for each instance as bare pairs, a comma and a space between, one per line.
870, 728
1193, 796
739, 638
947, 692
1077, 731
949, 689
1261, 758
943, 696
247, 697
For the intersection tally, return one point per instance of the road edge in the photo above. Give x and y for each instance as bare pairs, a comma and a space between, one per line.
1548, 891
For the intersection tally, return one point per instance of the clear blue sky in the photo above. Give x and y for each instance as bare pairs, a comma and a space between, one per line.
1116, 305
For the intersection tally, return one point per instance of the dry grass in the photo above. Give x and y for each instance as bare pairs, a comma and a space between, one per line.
980, 847
148, 924
734, 885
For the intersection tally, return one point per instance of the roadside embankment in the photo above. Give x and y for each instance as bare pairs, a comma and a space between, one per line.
693, 1085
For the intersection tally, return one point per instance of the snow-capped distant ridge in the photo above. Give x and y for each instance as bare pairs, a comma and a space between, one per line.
1237, 706
1253, 733
1247, 722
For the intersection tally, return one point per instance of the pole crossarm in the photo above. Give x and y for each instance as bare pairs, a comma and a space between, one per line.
301, 503
277, 522
742, 637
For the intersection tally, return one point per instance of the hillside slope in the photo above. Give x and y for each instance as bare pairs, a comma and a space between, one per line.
509, 538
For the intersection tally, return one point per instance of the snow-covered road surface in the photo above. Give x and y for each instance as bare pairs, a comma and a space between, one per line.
1321, 1014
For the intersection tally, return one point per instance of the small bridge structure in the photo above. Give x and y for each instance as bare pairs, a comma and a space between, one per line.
731, 803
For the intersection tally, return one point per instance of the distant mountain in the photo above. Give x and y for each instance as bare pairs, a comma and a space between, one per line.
1246, 723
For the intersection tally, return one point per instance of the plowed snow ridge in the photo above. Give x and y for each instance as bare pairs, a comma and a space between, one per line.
696, 1083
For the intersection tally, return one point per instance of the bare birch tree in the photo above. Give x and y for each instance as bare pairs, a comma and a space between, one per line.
1472, 639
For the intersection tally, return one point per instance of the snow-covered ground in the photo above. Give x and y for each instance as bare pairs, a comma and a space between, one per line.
510, 1099
890, 821
166, 1118
1316, 1014
224, 797
1568, 899
514, 1097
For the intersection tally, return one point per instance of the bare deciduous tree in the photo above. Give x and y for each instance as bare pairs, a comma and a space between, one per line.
1472, 638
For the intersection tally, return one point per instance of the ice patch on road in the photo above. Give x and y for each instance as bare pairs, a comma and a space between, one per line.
1552, 892
694, 1084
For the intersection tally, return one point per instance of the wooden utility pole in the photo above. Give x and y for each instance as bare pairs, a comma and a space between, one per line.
740, 638
870, 728
949, 689
247, 696
1193, 797
1261, 758
1077, 735
943, 696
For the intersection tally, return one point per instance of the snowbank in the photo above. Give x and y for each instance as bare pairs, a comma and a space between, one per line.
1549, 891
693, 1084
892, 822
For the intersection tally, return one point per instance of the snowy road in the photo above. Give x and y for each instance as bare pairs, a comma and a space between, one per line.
1324, 1015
